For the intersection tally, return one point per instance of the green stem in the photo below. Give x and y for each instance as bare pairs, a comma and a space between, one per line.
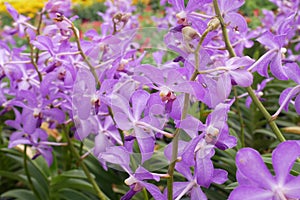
98, 191
33, 61
28, 174
38, 30
183, 116
145, 194
224, 30
266, 114
254, 98
85, 58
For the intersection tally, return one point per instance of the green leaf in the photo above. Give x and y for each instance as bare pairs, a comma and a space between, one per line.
70, 194
75, 173
265, 132
20, 194
60, 182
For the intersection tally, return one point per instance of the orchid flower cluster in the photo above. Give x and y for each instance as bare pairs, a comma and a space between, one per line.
101, 87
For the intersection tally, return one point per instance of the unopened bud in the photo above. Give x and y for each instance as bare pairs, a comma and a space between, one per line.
189, 33
213, 24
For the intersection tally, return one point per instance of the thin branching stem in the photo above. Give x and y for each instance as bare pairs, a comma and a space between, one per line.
33, 61
183, 116
84, 56
254, 98
74, 152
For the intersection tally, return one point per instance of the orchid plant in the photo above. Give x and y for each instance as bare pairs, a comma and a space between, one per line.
169, 117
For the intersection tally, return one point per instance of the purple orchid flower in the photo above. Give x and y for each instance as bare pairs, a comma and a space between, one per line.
130, 119
202, 177
29, 135
167, 82
20, 21
192, 188
273, 56
219, 80
255, 180
121, 156
293, 72
186, 15
228, 9
200, 149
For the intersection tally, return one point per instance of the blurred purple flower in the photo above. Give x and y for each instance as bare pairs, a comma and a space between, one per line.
186, 15
20, 23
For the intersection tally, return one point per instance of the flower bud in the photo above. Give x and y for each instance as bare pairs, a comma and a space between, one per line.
189, 33
213, 24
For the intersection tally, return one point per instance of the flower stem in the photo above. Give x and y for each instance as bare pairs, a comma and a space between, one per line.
33, 61
98, 191
85, 58
28, 174
183, 116
38, 30
255, 99
266, 114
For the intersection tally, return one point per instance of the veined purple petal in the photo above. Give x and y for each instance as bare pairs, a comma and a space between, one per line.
12, 11
184, 170
146, 143
29, 121
178, 187
244, 181
139, 102
177, 4
223, 87
283, 158
276, 67
143, 174
197, 194
122, 120
292, 188
101, 143
188, 155
284, 94
204, 171
261, 65
117, 155
250, 193
292, 70
44, 43
46, 152
86, 127
236, 21
168, 149
230, 5
268, 39
191, 126
154, 191
129, 194
251, 165
242, 77
220, 176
